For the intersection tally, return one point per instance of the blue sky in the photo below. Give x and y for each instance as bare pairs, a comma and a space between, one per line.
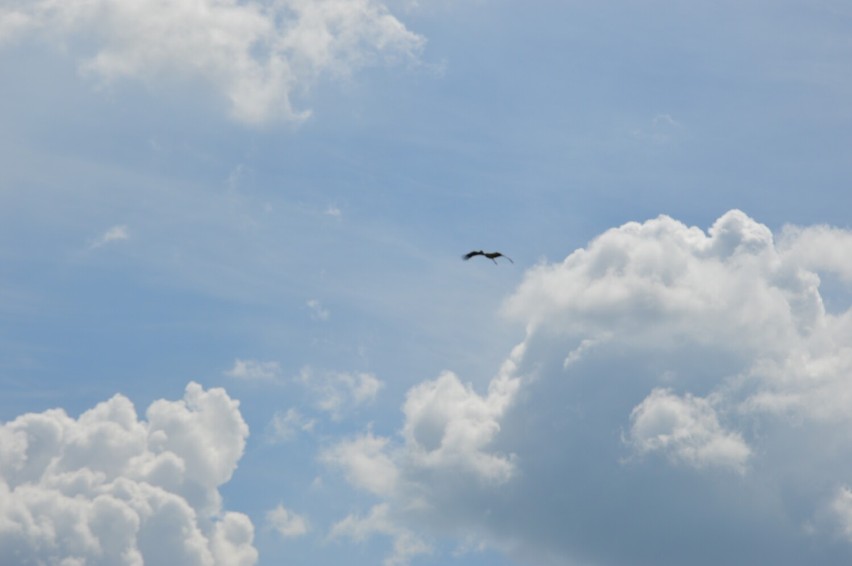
232, 304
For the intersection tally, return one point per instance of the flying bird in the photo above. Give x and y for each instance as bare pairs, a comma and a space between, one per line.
490, 255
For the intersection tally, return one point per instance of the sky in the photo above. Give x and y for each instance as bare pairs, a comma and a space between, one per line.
236, 329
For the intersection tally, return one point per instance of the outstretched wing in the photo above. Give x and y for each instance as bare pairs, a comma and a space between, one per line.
494, 255
469, 255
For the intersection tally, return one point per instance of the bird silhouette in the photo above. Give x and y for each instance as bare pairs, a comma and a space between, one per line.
490, 255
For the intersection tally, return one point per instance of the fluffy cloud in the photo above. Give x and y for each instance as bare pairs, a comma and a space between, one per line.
255, 54
714, 350
687, 429
448, 431
109, 488
448, 425
444, 454
366, 464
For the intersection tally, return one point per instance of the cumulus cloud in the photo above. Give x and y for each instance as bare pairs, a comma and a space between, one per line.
818, 248
448, 431
711, 349
687, 429
448, 425
257, 55
442, 455
109, 488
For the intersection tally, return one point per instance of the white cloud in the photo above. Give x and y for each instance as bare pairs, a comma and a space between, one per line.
687, 429
254, 370
710, 348
443, 457
232, 541
287, 425
365, 463
114, 234
338, 393
108, 488
818, 248
447, 433
287, 523
406, 545
448, 425
257, 55
333, 211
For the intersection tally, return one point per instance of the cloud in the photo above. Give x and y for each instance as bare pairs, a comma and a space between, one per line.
687, 429
818, 248
333, 211
251, 370
287, 523
338, 393
448, 425
318, 312
712, 349
256, 55
114, 234
365, 463
442, 456
13, 24
285, 426
109, 488
406, 545
662, 129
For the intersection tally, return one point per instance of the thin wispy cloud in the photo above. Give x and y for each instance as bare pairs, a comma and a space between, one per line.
317, 310
235, 177
112, 235
287, 425
254, 370
334, 211
661, 129
339, 393
406, 544
665, 121
287, 523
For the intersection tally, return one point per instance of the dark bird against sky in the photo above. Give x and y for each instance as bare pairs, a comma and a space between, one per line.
490, 255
